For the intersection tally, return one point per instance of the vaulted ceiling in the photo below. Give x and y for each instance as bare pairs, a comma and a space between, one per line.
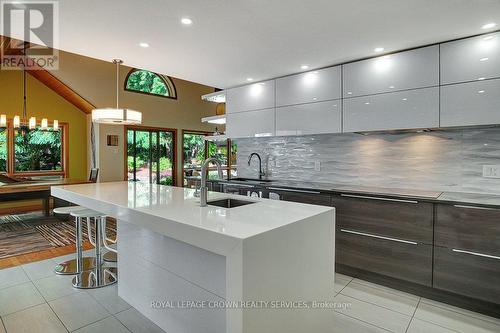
231, 40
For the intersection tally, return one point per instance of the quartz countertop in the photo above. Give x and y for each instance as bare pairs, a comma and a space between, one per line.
470, 198
177, 206
487, 200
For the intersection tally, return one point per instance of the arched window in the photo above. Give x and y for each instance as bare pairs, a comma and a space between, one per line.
146, 82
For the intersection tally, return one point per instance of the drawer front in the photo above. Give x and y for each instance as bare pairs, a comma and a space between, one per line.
468, 228
403, 219
467, 274
302, 196
390, 257
398, 110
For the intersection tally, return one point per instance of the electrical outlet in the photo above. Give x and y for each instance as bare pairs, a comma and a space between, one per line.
491, 171
317, 166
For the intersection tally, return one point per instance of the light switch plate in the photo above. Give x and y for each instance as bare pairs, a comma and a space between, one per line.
491, 171
317, 166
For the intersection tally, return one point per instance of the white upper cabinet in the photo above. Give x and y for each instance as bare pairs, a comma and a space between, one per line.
400, 71
398, 110
311, 118
254, 96
470, 104
310, 87
251, 124
471, 59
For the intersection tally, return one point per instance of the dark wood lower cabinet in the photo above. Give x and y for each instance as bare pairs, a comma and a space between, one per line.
309, 197
467, 273
406, 261
399, 218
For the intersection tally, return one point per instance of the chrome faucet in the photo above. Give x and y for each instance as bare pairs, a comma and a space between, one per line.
261, 173
203, 186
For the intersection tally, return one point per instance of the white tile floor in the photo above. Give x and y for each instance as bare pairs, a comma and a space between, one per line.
34, 299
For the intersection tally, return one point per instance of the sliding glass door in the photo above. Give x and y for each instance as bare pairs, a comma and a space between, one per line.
151, 155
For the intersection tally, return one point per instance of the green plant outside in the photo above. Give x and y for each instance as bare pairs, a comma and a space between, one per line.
38, 150
147, 82
3, 150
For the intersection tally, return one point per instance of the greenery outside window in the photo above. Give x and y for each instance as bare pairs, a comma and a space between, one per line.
196, 149
38, 150
146, 82
35, 153
151, 155
3, 150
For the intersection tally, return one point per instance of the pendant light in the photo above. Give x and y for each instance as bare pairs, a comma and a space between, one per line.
117, 116
24, 124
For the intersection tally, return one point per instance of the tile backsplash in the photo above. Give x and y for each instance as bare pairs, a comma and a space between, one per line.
449, 160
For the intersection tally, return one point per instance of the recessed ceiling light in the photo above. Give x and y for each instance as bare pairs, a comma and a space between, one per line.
488, 38
481, 78
143, 44
349, 93
378, 49
480, 91
367, 103
489, 25
304, 67
405, 99
186, 21
249, 79
391, 87
483, 59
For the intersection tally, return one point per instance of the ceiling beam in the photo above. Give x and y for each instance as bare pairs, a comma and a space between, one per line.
49, 80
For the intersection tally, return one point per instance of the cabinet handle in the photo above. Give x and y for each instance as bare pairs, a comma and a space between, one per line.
474, 207
476, 254
378, 198
292, 190
238, 185
379, 237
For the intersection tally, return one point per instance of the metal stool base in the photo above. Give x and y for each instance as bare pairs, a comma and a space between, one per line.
96, 278
69, 267
110, 257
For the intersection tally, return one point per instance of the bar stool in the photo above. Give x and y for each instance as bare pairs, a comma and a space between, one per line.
112, 254
70, 267
99, 276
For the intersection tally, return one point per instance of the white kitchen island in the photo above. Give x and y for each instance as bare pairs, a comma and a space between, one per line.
254, 268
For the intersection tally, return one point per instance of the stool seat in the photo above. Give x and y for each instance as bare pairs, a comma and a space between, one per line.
87, 213
67, 210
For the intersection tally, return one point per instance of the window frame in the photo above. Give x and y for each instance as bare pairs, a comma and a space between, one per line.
229, 166
11, 157
167, 80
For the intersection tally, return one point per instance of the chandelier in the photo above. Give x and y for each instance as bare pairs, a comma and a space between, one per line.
117, 116
23, 123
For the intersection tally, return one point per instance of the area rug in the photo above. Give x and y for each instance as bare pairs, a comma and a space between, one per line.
32, 232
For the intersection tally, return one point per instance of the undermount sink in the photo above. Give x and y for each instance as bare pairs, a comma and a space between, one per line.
229, 203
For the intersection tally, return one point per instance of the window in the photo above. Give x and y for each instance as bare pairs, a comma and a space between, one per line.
3, 150
35, 153
147, 82
151, 155
196, 150
38, 150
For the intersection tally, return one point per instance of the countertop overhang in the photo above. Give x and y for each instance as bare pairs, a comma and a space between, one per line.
175, 212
